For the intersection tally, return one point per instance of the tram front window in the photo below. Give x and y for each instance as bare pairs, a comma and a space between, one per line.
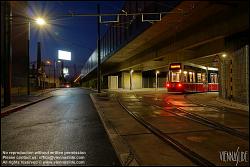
175, 77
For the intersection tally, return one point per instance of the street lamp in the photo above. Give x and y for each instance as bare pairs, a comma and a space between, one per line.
156, 73
55, 66
40, 21
49, 63
131, 72
224, 55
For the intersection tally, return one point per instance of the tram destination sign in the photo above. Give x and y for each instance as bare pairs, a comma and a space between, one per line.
175, 66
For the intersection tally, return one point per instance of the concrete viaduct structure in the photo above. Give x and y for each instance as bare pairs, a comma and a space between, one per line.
193, 31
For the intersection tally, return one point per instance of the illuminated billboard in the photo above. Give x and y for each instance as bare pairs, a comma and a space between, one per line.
64, 55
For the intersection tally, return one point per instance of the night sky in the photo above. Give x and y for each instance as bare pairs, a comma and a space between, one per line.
75, 34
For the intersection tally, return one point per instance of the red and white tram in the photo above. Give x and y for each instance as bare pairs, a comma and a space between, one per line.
187, 77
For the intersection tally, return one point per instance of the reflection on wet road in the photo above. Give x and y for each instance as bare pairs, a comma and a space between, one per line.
225, 117
204, 140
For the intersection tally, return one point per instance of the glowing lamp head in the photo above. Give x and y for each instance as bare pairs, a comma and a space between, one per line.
179, 85
224, 55
40, 21
168, 85
157, 72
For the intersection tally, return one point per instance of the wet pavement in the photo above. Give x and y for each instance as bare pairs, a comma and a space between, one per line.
225, 116
205, 140
66, 122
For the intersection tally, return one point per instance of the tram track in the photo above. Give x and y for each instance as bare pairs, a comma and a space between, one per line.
202, 120
193, 156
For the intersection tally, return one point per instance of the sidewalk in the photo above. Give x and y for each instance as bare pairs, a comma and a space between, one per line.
19, 102
212, 99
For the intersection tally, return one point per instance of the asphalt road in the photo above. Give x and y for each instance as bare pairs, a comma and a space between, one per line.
66, 122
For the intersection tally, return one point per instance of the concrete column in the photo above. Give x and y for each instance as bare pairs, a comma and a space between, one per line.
131, 80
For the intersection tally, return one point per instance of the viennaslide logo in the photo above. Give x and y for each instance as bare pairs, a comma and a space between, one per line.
234, 156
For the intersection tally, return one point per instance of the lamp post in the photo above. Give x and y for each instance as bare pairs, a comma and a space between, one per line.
131, 77
54, 74
49, 63
28, 72
156, 81
58, 61
40, 22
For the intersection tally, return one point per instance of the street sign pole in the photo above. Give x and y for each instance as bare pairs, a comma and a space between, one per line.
28, 61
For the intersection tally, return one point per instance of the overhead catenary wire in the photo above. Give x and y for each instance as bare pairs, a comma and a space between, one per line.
117, 14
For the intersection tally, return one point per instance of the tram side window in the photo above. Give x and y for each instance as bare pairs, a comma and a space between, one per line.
213, 78
185, 76
199, 77
194, 77
203, 77
191, 77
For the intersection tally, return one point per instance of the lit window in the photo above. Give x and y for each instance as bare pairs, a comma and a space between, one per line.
175, 77
199, 77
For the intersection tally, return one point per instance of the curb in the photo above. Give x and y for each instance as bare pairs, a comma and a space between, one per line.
15, 109
116, 140
45, 92
233, 104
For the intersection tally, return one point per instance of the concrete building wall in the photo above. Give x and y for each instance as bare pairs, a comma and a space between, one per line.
125, 80
113, 82
136, 80
240, 75
234, 76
